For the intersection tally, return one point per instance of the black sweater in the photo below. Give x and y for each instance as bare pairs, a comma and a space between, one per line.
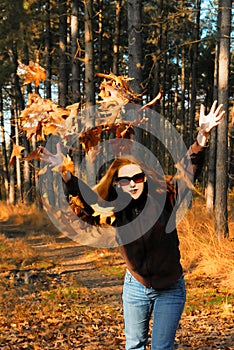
151, 252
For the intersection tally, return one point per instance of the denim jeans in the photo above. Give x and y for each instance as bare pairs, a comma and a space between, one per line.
165, 306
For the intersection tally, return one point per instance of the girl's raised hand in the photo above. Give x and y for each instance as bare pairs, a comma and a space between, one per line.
52, 160
209, 121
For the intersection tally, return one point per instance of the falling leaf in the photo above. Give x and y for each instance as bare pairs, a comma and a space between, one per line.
42, 171
153, 102
31, 73
108, 211
36, 154
66, 166
90, 138
16, 152
92, 153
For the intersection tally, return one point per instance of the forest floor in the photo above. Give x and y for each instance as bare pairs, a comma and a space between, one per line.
56, 294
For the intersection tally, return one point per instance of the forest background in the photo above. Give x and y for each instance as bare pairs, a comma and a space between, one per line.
183, 50
55, 293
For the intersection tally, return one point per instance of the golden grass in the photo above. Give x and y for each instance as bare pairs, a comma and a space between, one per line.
201, 251
21, 214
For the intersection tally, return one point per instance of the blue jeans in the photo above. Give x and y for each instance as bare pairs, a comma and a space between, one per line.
166, 307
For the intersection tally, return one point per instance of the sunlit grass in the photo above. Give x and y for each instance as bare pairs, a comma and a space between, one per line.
21, 214
203, 254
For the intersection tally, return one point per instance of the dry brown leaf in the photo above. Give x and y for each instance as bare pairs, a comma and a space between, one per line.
152, 102
66, 166
16, 152
36, 154
42, 171
92, 153
31, 73
90, 138
42, 117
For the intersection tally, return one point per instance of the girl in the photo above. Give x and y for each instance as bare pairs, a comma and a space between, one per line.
143, 203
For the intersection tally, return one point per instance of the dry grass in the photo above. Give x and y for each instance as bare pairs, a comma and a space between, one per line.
21, 214
202, 253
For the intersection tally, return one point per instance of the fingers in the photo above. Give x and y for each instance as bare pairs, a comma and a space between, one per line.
213, 107
202, 110
220, 116
218, 110
58, 147
45, 151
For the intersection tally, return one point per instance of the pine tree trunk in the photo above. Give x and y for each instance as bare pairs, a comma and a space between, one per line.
135, 44
89, 55
100, 35
75, 64
210, 189
116, 38
4, 151
63, 69
12, 171
194, 70
17, 105
27, 190
48, 49
183, 117
221, 213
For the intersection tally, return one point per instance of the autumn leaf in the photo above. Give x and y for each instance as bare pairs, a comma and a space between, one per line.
16, 152
42, 171
119, 82
66, 166
31, 73
92, 153
36, 154
43, 117
101, 210
90, 138
152, 102
127, 132
115, 93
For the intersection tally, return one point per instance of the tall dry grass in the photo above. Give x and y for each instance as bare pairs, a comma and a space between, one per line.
201, 250
22, 214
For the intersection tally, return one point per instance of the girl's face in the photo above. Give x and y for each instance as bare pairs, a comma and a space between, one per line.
131, 179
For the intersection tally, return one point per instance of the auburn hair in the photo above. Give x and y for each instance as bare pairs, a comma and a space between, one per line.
104, 185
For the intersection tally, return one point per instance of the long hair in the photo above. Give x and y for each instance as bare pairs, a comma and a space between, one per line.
104, 185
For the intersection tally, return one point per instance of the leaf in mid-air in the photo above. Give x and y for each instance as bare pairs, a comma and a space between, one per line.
31, 73
16, 152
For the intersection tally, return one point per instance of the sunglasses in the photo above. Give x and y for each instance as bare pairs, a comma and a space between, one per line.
125, 180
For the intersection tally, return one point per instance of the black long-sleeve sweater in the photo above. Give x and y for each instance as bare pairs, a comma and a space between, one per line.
151, 252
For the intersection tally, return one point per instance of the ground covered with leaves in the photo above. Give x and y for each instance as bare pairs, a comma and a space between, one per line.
56, 294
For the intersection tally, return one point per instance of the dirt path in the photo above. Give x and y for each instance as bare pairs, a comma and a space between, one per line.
73, 301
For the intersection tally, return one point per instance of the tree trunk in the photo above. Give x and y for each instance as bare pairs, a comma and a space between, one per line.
183, 91
89, 55
48, 49
63, 71
5, 174
75, 64
100, 35
135, 31
116, 39
221, 212
17, 105
210, 189
89, 79
194, 71
12, 172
